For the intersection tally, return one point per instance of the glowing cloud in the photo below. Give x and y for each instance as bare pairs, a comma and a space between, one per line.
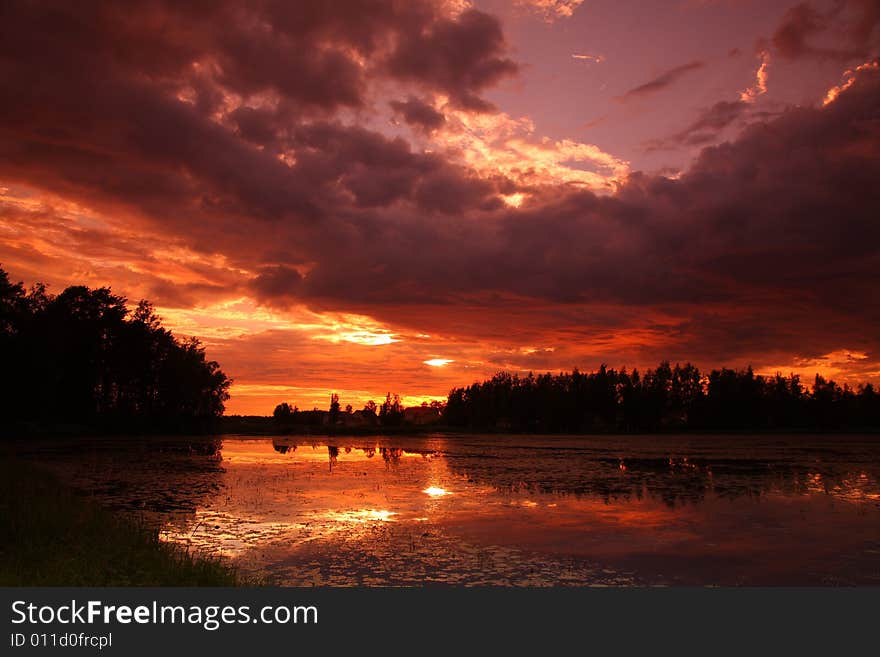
598, 59
494, 144
438, 362
514, 200
834, 364
357, 329
362, 337
760, 87
242, 316
849, 78
552, 9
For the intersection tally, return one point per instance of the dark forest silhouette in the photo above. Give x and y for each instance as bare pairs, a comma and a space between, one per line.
390, 413
82, 358
666, 398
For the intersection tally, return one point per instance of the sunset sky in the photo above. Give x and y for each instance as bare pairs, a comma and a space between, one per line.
370, 196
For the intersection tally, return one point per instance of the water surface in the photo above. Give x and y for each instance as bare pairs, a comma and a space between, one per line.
504, 510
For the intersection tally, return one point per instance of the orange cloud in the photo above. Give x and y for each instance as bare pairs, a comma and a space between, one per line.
597, 59
552, 10
759, 88
849, 78
247, 181
500, 145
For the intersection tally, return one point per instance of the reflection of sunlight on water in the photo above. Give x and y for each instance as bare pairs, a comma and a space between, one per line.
852, 488
278, 495
226, 534
230, 535
502, 510
362, 515
437, 511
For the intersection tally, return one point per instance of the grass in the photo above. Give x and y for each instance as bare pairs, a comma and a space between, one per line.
50, 536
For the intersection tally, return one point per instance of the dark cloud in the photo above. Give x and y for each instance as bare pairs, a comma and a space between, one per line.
848, 30
418, 114
452, 191
799, 23
706, 128
461, 56
129, 110
184, 295
766, 232
312, 55
662, 81
278, 281
139, 112
255, 125
718, 116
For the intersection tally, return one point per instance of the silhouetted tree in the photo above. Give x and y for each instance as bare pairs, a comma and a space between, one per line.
334, 408
282, 411
391, 412
82, 357
370, 408
666, 398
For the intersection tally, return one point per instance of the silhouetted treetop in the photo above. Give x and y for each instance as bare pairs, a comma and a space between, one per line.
666, 398
82, 357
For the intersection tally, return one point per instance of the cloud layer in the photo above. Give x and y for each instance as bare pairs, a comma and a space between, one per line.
331, 193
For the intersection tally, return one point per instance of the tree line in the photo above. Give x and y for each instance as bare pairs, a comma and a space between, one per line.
83, 358
669, 398
387, 414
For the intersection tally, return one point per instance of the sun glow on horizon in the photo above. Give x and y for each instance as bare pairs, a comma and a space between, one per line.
362, 337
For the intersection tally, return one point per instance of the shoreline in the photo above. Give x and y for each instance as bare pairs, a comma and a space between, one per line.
10, 437
52, 535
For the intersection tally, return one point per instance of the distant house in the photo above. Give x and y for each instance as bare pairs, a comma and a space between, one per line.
421, 415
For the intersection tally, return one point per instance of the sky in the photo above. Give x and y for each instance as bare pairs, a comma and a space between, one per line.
376, 196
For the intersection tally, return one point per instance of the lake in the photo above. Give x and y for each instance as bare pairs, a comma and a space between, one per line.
502, 510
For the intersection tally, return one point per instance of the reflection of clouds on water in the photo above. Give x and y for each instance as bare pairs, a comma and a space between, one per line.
507, 510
